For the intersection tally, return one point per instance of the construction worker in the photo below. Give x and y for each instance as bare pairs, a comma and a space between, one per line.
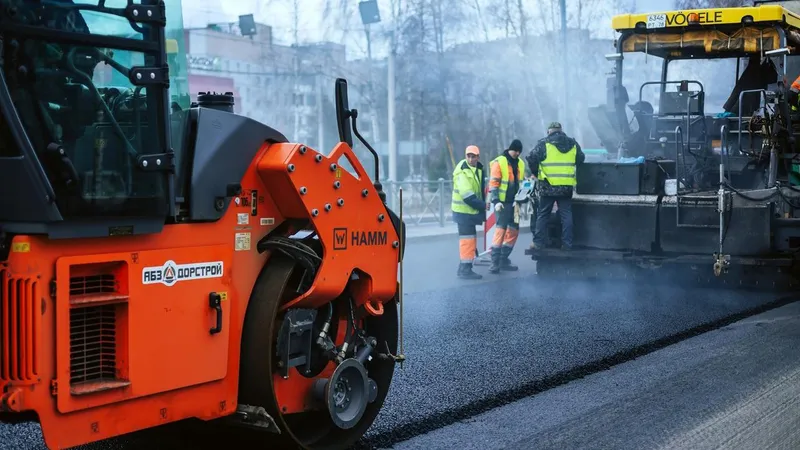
554, 159
469, 208
794, 95
507, 170
758, 74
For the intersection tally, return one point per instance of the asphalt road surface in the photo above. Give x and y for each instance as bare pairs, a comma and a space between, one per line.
737, 387
475, 345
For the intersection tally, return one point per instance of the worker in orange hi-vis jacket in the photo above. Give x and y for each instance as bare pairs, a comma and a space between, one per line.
506, 173
794, 94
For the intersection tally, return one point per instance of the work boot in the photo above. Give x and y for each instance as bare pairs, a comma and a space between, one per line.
465, 272
505, 263
495, 267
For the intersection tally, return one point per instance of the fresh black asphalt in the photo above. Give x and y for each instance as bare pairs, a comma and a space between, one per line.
734, 388
475, 347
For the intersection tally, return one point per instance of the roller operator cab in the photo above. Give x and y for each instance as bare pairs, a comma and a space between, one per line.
699, 167
163, 260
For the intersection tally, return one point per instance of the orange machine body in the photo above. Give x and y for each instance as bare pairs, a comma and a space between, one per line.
102, 337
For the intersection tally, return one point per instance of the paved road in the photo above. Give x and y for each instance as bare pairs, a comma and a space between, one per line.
474, 345
736, 388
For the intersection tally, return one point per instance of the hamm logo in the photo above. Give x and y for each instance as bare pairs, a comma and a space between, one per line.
340, 238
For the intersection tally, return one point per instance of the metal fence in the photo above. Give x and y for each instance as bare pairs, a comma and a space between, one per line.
424, 202
428, 202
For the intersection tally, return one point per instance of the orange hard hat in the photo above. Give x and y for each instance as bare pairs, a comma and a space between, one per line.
472, 149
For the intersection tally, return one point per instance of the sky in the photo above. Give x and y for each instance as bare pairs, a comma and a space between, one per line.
311, 25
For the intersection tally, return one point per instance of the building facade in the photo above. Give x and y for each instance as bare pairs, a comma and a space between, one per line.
289, 88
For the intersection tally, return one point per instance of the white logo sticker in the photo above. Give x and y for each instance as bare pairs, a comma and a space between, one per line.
170, 273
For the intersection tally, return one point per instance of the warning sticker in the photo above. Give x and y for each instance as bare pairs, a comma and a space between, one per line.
242, 242
242, 219
171, 273
266, 221
21, 247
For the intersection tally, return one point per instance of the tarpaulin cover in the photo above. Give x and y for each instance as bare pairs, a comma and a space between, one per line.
749, 40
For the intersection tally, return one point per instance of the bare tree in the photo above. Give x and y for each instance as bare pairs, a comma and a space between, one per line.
455, 93
480, 19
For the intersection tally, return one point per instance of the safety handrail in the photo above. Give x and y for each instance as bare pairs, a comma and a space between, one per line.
741, 95
678, 142
664, 83
689, 120
724, 152
688, 102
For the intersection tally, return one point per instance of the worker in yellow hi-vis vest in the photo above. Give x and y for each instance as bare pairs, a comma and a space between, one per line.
506, 173
469, 208
554, 160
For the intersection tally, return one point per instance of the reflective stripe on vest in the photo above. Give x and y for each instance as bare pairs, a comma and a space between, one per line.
466, 182
504, 176
558, 168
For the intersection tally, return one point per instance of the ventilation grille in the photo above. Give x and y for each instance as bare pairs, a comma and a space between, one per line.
93, 346
92, 284
95, 288
19, 328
